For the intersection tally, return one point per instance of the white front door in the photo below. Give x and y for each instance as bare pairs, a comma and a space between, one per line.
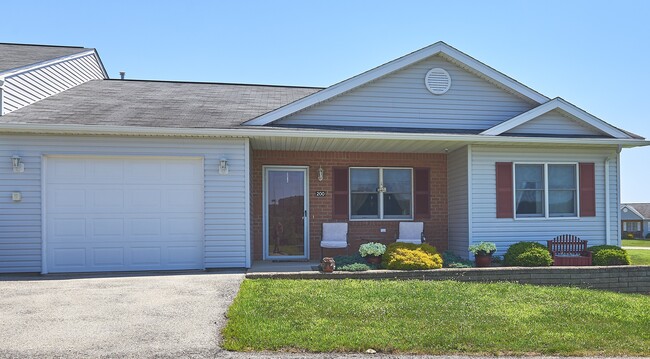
123, 213
286, 221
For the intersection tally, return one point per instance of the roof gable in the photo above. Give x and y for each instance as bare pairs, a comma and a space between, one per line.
641, 210
568, 110
401, 100
439, 48
556, 122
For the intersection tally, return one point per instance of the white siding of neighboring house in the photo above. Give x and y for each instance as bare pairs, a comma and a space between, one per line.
457, 192
554, 123
225, 216
506, 231
401, 99
28, 87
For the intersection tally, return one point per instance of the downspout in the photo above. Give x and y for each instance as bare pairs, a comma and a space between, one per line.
2, 96
608, 215
608, 221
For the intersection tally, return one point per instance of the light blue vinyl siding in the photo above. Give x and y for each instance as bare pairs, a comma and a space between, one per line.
555, 123
401, 99
457, 181
506, 231
225, 195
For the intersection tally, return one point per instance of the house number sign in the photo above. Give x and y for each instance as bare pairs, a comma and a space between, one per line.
321, 193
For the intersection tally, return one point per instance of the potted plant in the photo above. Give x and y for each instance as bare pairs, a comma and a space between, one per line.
328, 264
483, 253
372, 252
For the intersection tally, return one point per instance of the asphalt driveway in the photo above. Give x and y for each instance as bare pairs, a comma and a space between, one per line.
155, 315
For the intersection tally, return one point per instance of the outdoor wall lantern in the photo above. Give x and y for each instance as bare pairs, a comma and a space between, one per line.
17, 164
321, 174
223, 166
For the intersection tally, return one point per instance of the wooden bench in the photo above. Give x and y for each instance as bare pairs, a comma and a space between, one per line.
569, 250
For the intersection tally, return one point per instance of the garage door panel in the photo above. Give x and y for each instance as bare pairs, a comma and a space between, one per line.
143, 218
114, 256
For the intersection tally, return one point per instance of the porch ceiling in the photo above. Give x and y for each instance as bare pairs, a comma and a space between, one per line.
353, 145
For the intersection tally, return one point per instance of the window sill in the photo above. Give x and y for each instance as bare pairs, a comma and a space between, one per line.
547, 218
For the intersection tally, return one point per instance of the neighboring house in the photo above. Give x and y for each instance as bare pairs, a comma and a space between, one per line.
140, 175
635, 219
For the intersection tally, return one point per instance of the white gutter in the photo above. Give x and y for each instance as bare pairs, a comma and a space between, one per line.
302, 133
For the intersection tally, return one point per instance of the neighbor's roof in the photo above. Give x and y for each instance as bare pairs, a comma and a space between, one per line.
14, 56
158, 104
643, 209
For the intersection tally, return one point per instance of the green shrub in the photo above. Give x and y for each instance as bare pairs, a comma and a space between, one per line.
596, 249
408, 256
611, 257
352, 259
647, 236
535, 257
515, 250
354, 267
451, 260
630, 236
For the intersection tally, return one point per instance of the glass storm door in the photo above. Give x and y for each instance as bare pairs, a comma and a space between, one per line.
285, 213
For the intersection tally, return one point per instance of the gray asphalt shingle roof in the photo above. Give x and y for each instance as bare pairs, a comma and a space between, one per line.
18, 55
157, 104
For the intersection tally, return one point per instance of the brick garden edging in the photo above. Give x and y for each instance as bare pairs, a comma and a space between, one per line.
628, 279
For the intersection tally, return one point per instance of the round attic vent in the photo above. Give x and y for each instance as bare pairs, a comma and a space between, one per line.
437, 81
625, 210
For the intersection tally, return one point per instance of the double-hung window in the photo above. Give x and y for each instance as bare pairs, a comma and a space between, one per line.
546, 190
381, 193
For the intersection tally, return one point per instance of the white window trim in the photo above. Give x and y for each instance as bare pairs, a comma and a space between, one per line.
546, 216
381, 197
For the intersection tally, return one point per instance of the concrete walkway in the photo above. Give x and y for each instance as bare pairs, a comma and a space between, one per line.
644, 248
138, 315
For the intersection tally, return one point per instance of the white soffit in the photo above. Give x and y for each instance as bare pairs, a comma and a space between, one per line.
395, 65
555, 104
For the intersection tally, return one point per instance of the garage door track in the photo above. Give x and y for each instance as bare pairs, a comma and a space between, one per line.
155, 315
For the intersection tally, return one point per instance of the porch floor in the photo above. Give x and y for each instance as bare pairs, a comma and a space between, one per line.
281, 267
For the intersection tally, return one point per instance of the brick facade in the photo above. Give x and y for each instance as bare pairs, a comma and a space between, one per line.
320, 208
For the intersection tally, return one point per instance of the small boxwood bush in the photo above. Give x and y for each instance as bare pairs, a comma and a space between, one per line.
647, 236
354, 267
451, 260
408, 256
511, 258
630, 236
611, 257
596, 249
535, 257
342, 261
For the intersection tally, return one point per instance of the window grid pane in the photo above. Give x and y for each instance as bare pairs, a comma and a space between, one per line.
529, 194
366, 199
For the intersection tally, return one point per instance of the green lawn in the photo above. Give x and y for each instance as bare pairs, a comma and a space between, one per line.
639, 256
636, 243
435, 318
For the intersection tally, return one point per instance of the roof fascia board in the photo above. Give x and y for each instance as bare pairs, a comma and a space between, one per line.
38, 65
556, 103
392, 66
634, 211
273, 132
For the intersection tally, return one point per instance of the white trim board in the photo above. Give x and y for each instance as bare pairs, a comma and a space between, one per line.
555, 104
253, 132
395, 65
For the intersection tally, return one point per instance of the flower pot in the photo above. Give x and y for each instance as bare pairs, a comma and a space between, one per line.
373, 259
328, 265
483, 260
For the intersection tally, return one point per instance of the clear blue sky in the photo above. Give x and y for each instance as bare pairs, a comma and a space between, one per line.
595, 54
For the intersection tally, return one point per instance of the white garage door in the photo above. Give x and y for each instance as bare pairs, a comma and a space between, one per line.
123, 214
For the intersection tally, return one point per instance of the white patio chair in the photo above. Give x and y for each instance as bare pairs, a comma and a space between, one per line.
335, 235
411, 232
